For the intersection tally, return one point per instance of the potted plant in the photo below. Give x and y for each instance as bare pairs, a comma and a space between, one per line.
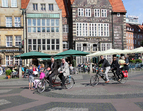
8, 73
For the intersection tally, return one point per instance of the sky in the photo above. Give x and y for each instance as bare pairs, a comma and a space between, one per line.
134, 8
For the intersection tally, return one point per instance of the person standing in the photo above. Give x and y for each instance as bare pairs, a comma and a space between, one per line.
31, 77
53, 71
126, 63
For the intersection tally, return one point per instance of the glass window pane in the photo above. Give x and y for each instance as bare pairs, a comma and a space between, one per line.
43, 41
48, 47
38, 29
52, 22
57, 47
52, 29
53, 47
34, 47
48, 29
43, 29
48, 22
34, 22
57, 41
38, 22
39, 41
34, 41
57, 22
53, 41
29, 29
29, 22
34, 29
48, 41
43, 22
29, 41
57, 29
43, 47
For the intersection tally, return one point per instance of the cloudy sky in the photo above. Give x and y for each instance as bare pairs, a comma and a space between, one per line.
134, 7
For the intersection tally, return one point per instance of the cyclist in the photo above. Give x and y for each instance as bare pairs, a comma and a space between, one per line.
64, 71
106, 65
53, 71
115, 66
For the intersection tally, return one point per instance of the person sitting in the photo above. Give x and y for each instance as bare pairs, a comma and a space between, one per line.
115, 66
106, 65
64, 71
122, 62
53, 71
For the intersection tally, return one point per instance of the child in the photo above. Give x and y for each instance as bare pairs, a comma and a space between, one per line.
31, 78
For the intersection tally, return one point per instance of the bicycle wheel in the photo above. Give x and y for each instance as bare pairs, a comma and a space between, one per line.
123, 79
94, 80
69, 82
41, 86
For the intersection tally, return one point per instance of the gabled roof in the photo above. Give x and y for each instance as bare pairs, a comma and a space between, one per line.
136, 27
117, 6
61, 4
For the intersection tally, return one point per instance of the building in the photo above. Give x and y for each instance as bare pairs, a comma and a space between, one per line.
11, 31
132, 19
98, 25
43, 26
134, 36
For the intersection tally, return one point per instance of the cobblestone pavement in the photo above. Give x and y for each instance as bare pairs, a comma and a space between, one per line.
15, 95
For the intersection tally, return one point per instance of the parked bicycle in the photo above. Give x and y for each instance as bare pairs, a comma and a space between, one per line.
94, 80
69, 82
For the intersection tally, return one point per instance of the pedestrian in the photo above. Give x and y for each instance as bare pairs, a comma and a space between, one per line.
31, 77
126, 63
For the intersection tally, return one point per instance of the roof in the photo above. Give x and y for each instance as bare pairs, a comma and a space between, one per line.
61, 4
117, 6
136, 27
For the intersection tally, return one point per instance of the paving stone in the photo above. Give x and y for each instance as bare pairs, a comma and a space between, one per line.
78, 106
14, 101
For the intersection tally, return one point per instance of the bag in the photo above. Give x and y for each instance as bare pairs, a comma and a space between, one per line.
125, 73
42, 75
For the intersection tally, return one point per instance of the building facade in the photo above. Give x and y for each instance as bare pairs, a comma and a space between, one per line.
134, 36
11, 31
44, 26
98, 25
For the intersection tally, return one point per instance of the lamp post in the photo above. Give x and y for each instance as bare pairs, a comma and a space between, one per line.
20, 71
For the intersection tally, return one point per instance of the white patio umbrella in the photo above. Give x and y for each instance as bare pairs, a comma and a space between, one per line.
95, 54
138, 50
125, 51
111, 52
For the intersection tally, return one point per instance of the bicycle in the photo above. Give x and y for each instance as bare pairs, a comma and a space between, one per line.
41, 86
94, 80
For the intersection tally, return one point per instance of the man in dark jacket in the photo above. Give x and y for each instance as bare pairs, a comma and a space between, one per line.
115, 66
106, 65
53, 71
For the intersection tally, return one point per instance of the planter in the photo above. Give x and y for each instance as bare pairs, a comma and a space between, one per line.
9, 76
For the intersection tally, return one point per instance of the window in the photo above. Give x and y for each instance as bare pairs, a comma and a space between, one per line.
80, 12
65, 45
48, 44
4, 3
17, 40
39, 44
35, 6
13, 3
57, 44
84, 29
79, 46
94, 47
103, 13
9, 60
43, 44
29, 44
92, 29
17, 22
43, 7
8, 21
97, 13
84, 47
88, 12
34, 44
65, 28
43, 25
118, 14
51, 7
53, 44
8, 41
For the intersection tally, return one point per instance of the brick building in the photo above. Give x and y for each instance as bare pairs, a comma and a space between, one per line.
11, 31
134, 35
98, 25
